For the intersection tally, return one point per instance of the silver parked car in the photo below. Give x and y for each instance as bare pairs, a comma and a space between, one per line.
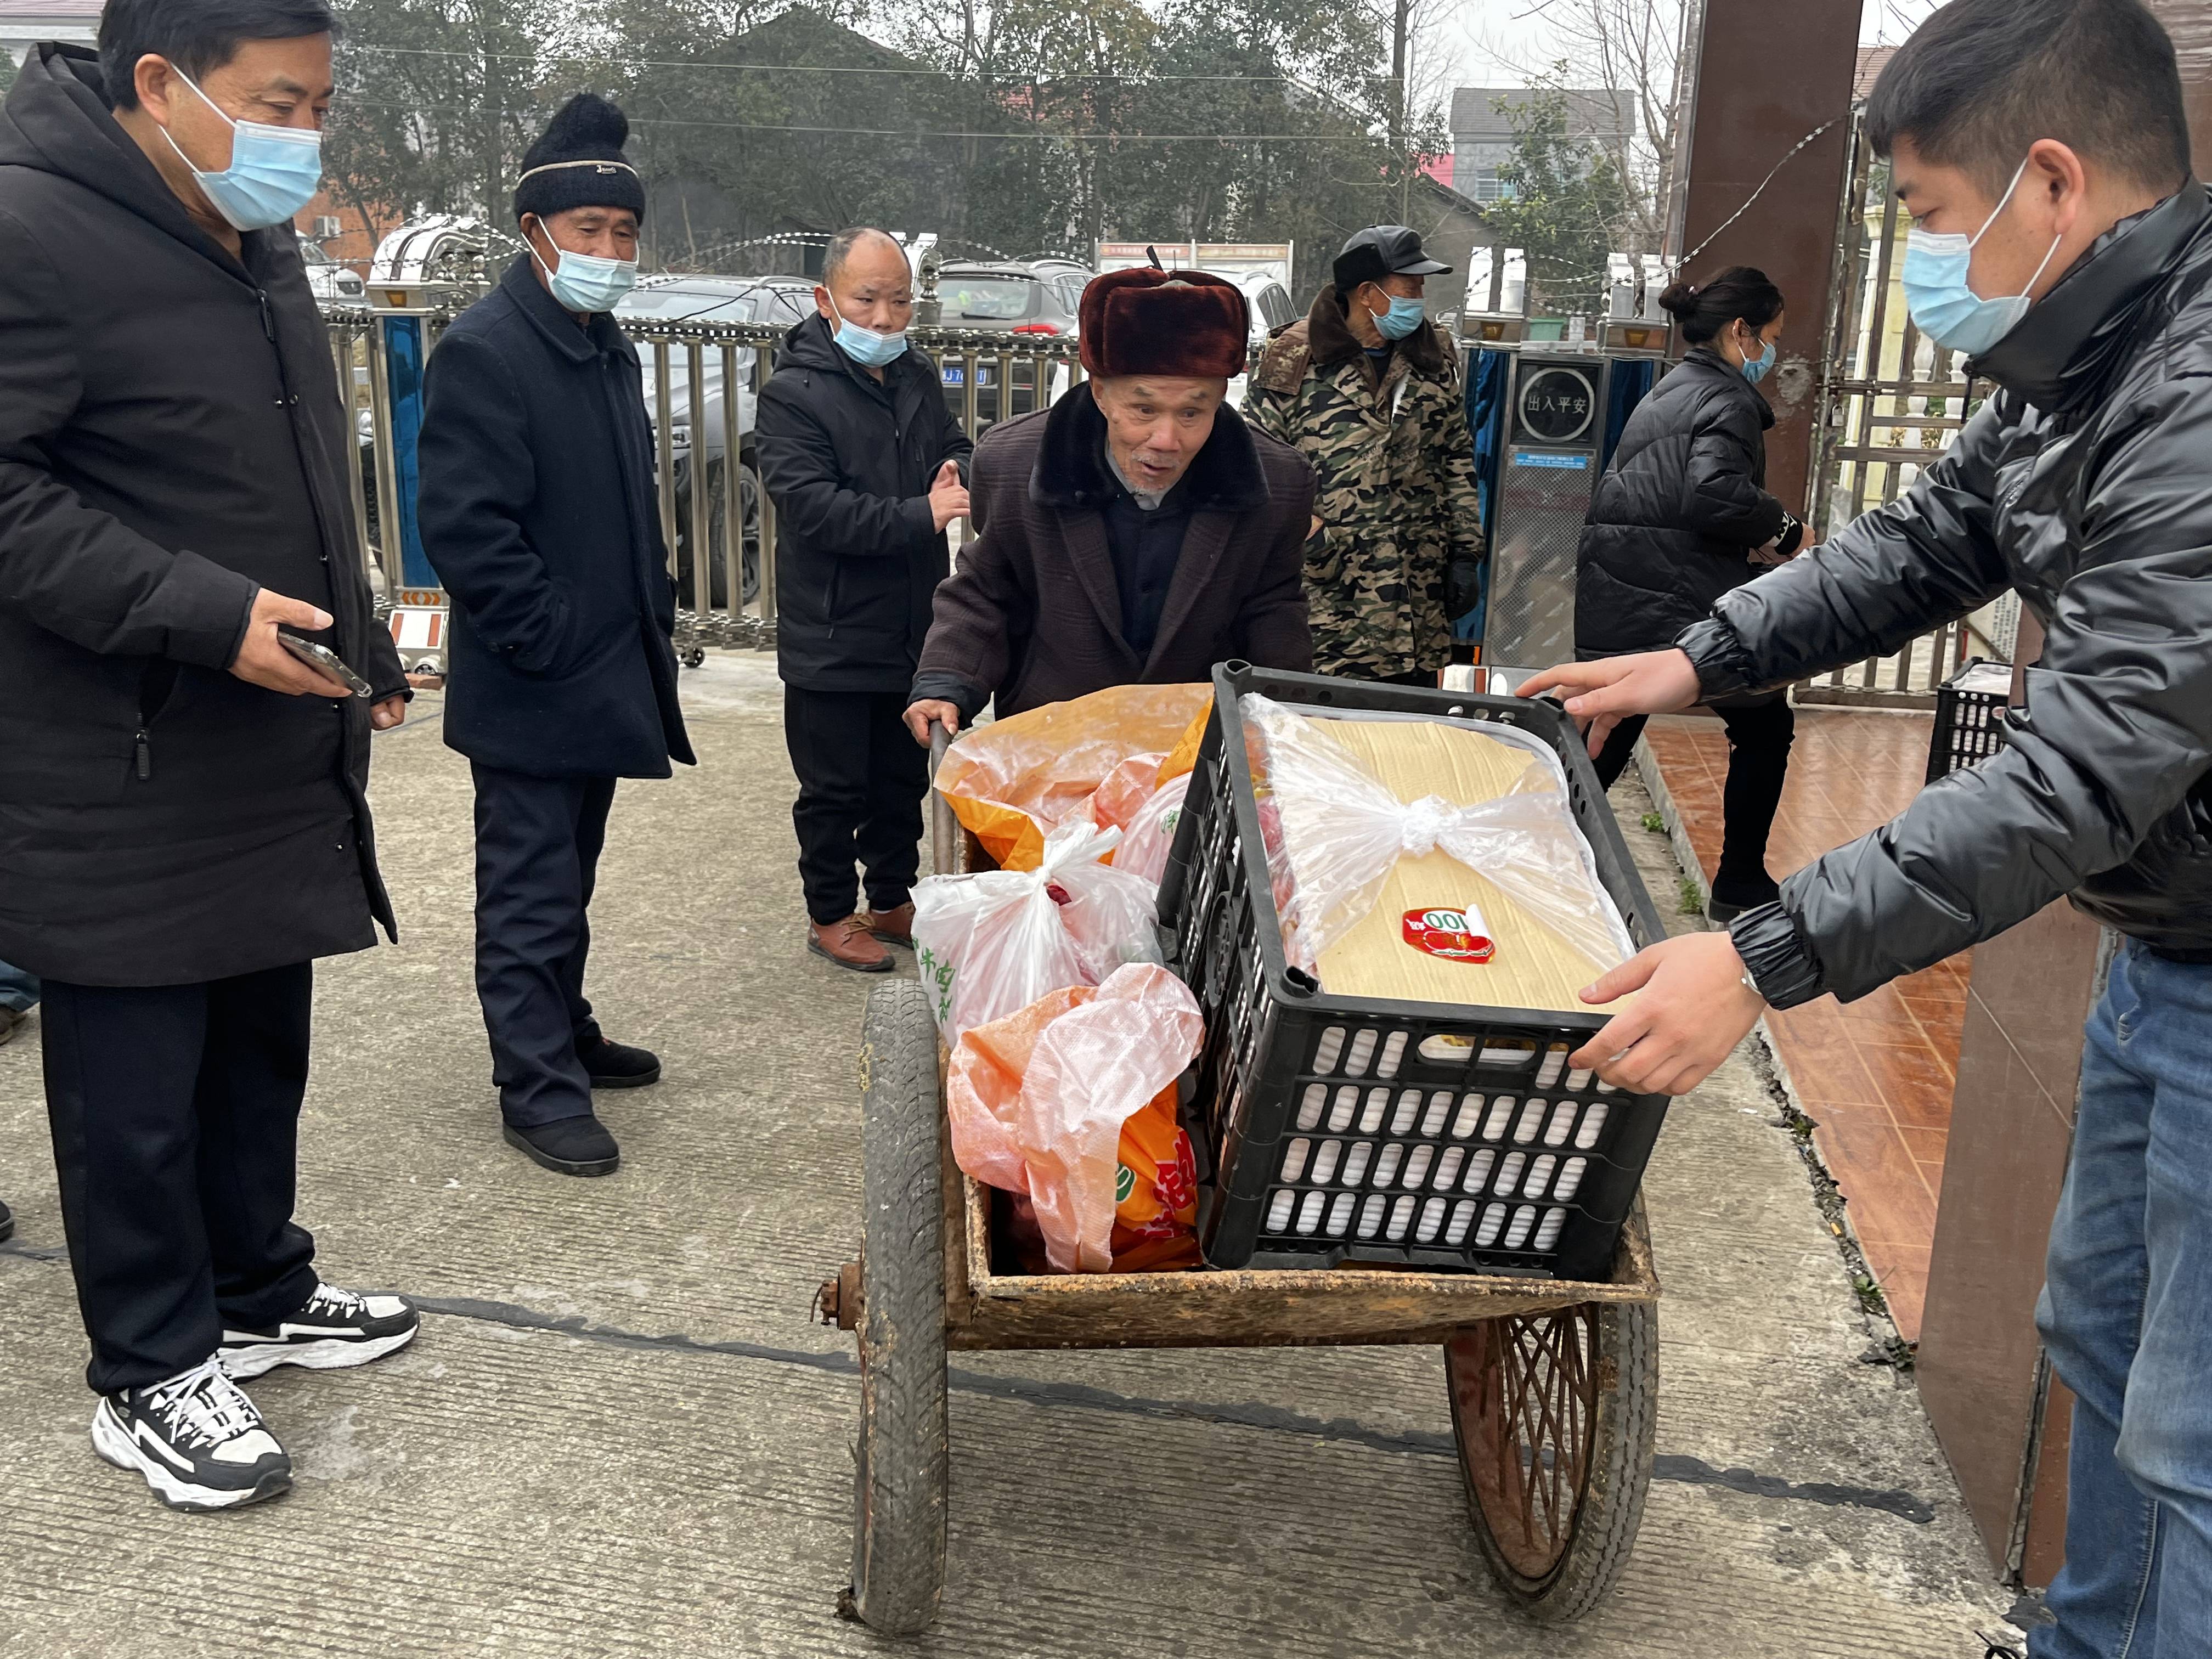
663, 302
1014, 298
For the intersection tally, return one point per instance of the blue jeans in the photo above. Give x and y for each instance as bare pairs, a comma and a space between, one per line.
18, 990
2127, 1315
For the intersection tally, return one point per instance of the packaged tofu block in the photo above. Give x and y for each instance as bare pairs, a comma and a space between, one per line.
1429, 859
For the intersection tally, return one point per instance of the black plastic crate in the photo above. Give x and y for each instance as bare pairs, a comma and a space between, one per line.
1365, 1129
1970, 716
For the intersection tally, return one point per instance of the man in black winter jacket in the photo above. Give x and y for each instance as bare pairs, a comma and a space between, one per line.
537, 510
866, 465
2042, 149
183, 827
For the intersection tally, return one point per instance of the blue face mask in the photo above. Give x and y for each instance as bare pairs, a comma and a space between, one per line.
864, 345
585, 282
1754, 368
1401, 319
1943, 307
274, 171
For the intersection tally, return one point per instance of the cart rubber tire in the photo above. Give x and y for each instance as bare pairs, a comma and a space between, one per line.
1574, 1393
898, 1540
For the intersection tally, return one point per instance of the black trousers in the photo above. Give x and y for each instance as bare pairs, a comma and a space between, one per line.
861, 778
538, 859
1759, 735
175, 1111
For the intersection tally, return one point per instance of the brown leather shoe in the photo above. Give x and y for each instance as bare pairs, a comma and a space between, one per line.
895, 925
846, 944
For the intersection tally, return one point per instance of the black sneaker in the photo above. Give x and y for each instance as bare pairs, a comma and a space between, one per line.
618, 1066
568, 1145
7, 1224
336, 1328
196, 1438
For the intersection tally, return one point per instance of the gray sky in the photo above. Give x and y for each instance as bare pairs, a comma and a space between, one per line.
1481, 37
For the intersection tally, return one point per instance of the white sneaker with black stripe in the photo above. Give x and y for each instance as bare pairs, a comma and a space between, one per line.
335, 1329
196, 1438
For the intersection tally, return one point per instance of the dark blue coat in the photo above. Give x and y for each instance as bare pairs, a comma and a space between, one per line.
537, 511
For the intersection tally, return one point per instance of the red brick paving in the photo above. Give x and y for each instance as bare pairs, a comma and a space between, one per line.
1875, 1077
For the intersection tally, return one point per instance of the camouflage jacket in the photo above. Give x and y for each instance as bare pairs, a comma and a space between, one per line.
1395, 473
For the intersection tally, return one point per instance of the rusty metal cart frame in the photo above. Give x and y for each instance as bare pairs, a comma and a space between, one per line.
1553, 1385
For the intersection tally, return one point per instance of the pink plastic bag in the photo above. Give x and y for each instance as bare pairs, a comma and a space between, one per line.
1037, 1101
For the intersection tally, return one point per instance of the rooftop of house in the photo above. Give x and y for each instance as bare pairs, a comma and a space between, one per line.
15, 13
1591, 112
1872, 61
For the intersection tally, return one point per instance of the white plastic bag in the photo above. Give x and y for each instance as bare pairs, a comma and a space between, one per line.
1152, 831
1341, 832
992, 943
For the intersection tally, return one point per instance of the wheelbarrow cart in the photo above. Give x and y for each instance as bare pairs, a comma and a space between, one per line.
1552, 1382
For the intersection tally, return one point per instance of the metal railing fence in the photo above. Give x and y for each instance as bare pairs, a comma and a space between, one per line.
691, 373
1890, 402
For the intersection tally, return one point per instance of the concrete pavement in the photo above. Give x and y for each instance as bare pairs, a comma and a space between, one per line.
619, 1433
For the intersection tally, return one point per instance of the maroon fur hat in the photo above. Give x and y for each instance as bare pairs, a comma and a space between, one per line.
1150, 321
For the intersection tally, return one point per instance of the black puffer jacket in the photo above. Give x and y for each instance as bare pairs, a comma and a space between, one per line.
847, 461
2084, 483
172, 441
1682, 504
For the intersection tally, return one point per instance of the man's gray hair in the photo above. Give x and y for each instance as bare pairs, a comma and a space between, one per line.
840, 249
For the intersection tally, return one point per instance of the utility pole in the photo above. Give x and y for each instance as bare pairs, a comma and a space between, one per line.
1400, 28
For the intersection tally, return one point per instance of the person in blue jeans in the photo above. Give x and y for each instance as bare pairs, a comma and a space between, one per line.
2061, 243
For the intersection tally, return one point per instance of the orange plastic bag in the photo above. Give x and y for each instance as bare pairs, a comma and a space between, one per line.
1155, 1191
1013, 780
1042, 1104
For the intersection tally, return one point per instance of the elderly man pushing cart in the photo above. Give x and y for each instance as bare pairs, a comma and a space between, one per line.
1137, 532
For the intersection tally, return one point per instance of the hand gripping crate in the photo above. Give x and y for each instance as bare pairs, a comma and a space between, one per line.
1365, 1129
1970, 716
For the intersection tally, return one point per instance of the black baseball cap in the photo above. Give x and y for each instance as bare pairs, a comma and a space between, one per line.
1382, 251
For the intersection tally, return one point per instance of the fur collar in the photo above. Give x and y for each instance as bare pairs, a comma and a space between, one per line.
1330, 339
1071, 471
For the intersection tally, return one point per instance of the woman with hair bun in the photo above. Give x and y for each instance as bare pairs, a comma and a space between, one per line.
1682, 517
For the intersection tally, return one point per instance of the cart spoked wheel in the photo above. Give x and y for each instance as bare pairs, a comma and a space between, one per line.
1554, 1414
899, 1543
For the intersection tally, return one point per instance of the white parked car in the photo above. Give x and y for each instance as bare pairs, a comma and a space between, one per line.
332, 283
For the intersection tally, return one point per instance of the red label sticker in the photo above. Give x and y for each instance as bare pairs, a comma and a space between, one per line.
1455, 935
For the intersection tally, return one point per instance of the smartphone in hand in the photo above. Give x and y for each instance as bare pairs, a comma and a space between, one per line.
322, 656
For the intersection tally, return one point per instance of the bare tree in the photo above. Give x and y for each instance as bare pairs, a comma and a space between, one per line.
1634, 46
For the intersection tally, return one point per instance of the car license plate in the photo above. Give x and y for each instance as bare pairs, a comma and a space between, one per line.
954, 375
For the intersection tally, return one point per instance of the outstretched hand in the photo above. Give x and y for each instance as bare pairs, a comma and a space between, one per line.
1602, 694
1691, 1008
